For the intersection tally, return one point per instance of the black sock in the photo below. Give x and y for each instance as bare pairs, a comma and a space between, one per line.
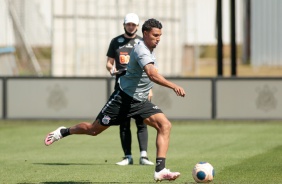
65, 132
160, 164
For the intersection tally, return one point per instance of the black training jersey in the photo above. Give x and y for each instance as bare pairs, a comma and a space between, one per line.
120, 48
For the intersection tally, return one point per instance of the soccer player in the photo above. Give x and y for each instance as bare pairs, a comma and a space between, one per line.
131, 100
118, 58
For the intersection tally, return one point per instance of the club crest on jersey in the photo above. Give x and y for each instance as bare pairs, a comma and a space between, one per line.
106, 119
120, 40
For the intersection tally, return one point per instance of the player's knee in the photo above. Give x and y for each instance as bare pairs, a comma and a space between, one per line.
164, 126
94, 131
96, 128
168, 125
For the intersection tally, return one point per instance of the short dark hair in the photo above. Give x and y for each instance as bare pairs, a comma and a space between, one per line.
151, 23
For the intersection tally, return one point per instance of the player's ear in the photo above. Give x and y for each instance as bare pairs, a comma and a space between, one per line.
145, 33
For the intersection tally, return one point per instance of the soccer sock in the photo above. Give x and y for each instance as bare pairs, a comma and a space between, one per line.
65, 132
128, 156
143, 153
160, 164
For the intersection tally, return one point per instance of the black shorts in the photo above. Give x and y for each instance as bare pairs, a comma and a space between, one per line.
121, 106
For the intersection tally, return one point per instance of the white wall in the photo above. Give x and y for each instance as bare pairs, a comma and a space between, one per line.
61, 98
249, 99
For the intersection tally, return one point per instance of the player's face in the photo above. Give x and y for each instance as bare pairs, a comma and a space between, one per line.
152, 38
131, 27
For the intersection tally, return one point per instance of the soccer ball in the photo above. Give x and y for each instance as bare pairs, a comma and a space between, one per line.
203, 172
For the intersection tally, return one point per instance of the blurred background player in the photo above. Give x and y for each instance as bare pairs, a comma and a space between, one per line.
118, 57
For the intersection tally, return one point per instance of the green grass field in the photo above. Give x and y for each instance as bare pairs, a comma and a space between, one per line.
241, 152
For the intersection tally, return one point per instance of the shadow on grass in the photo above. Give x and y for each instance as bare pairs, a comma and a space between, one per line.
69, 182
75, 182
67, 164
60, 182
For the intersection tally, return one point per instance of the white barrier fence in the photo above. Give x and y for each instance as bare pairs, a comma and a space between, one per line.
83, 98
249, 99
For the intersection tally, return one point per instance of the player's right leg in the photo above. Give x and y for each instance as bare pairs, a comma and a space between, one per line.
53, 136
81, 128
102, 122
87, 128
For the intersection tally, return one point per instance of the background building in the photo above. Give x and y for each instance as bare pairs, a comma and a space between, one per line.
75, 34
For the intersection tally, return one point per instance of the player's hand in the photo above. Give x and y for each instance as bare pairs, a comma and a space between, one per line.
113, 71
179, 91
150, 95
118, 71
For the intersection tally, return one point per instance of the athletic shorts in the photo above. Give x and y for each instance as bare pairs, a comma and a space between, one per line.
121, 106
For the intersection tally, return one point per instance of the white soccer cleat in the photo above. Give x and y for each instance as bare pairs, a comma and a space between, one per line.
145, 161
125, 161
53, 136
165, 174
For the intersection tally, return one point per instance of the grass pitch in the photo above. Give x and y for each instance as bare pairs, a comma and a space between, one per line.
241, 152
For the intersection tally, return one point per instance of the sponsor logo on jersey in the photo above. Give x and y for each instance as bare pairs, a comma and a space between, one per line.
124, 58
126, 46
123, 53
106, 119
129, 45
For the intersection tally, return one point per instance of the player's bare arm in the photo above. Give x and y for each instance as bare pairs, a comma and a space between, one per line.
150, 95
154, 76
110, 65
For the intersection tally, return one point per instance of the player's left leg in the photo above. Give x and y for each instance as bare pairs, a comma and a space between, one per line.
163, 127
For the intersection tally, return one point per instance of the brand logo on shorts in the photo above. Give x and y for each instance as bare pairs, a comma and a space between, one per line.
155, 107
106, 119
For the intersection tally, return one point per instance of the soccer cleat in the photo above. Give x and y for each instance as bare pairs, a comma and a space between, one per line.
165, 174
145, 161
125, 161
53, 136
